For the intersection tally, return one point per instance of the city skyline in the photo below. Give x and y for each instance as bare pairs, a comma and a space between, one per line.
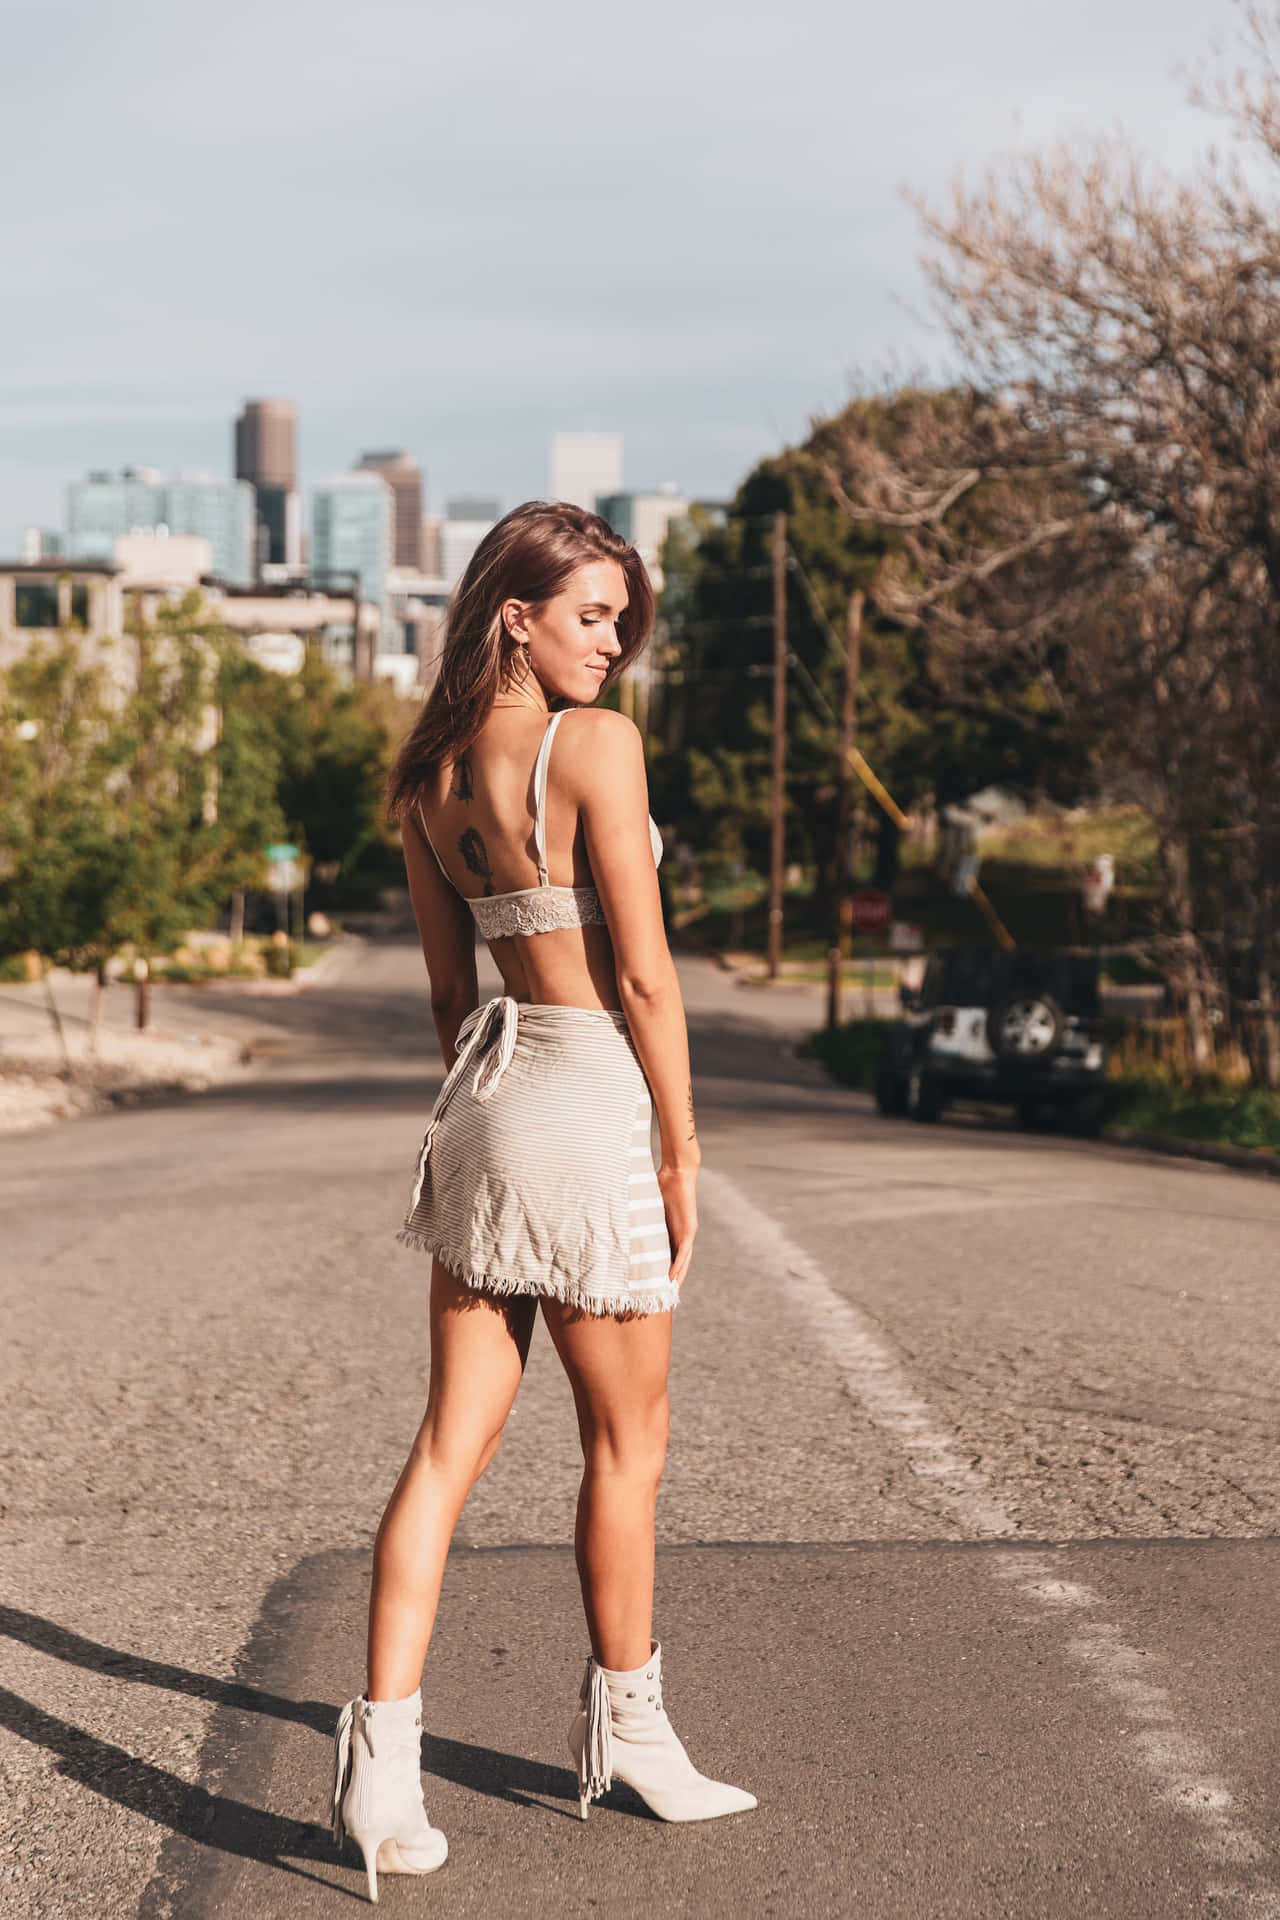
239, 511
427, 299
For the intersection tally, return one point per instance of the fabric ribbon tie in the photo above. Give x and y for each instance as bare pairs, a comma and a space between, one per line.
498, 1017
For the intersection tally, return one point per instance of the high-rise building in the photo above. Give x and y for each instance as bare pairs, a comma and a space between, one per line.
106, 507
473, 506
643, 519
404, 477
352, 530
221, 512
40, 543
585, 466
458, 541
266, 456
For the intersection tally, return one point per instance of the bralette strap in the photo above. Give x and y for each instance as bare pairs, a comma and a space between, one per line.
422, 819
540, 797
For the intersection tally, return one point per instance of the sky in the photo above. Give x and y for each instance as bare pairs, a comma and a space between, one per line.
457, 229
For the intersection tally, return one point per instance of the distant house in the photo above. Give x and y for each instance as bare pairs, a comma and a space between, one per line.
43, 597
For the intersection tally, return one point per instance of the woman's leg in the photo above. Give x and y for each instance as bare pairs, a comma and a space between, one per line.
618, 1371
479, 1345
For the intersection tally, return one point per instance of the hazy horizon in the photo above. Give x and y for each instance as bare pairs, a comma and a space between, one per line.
458, 234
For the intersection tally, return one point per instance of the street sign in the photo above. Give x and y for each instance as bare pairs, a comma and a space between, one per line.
281, 850
284, 875
870, 910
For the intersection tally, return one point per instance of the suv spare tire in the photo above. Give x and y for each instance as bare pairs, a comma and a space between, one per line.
1025, 1028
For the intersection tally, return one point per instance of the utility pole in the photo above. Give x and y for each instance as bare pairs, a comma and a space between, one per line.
779, 796
842, 905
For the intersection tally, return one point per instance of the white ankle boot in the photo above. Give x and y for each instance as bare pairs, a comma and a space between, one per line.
622, 1733
377, 1788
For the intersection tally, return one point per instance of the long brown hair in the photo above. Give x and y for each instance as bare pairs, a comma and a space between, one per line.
529, 555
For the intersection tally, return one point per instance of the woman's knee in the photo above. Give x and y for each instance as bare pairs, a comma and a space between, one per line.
635, 1448
457, 1456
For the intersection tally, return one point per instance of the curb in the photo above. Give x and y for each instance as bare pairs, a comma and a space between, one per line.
268, 987
1244, 1159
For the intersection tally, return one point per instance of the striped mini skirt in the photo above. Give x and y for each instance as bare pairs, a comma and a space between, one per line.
536, 1173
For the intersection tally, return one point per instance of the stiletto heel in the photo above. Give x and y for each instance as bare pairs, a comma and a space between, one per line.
377, 1788
370, 1857
621, 1732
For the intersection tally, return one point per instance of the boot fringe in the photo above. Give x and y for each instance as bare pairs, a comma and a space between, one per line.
621, 1301
341, 1768
595, 1769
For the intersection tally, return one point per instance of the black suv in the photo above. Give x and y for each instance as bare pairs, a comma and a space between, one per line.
1024, 1028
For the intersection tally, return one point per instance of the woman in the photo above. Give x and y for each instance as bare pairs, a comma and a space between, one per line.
524, 814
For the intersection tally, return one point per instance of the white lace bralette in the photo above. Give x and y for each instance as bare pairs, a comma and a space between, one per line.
536, 910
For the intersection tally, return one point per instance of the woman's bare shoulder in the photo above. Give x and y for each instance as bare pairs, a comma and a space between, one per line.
599, 738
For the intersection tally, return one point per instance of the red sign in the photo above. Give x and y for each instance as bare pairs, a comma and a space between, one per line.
871, 910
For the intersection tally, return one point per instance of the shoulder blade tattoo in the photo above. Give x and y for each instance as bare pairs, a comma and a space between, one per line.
476, 857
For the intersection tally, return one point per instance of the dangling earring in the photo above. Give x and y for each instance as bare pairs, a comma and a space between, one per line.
514, 670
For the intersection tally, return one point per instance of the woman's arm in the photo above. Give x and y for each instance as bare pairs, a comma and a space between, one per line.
448, 937
608, 780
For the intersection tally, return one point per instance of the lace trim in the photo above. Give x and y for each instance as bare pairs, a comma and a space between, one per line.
537, 910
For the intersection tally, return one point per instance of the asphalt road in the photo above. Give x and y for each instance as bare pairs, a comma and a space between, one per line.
968, 1561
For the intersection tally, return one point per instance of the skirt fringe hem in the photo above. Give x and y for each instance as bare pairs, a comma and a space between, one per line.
660, 1299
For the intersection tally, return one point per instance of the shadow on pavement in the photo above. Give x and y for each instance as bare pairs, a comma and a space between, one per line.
212, 1820
46, 1636
502, 1776
232, 1826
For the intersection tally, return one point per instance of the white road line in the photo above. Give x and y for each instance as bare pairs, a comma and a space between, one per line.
1179, 1766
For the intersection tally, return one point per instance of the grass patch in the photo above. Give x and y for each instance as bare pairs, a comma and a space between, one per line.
1227, 1117
1070, 842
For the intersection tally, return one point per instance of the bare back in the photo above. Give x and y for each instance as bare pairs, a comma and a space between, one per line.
480, 817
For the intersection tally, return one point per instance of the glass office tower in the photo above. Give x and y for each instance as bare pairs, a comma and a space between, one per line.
139, 500
353, 530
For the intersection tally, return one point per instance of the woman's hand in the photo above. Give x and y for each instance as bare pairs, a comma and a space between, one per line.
679, 1200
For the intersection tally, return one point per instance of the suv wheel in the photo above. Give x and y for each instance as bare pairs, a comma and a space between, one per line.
890, 1089
1026, 1028
924, 1102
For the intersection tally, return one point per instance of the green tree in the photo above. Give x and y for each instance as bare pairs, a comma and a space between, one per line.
927, 734
135, 794
334, 743
55, 847
193, 797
